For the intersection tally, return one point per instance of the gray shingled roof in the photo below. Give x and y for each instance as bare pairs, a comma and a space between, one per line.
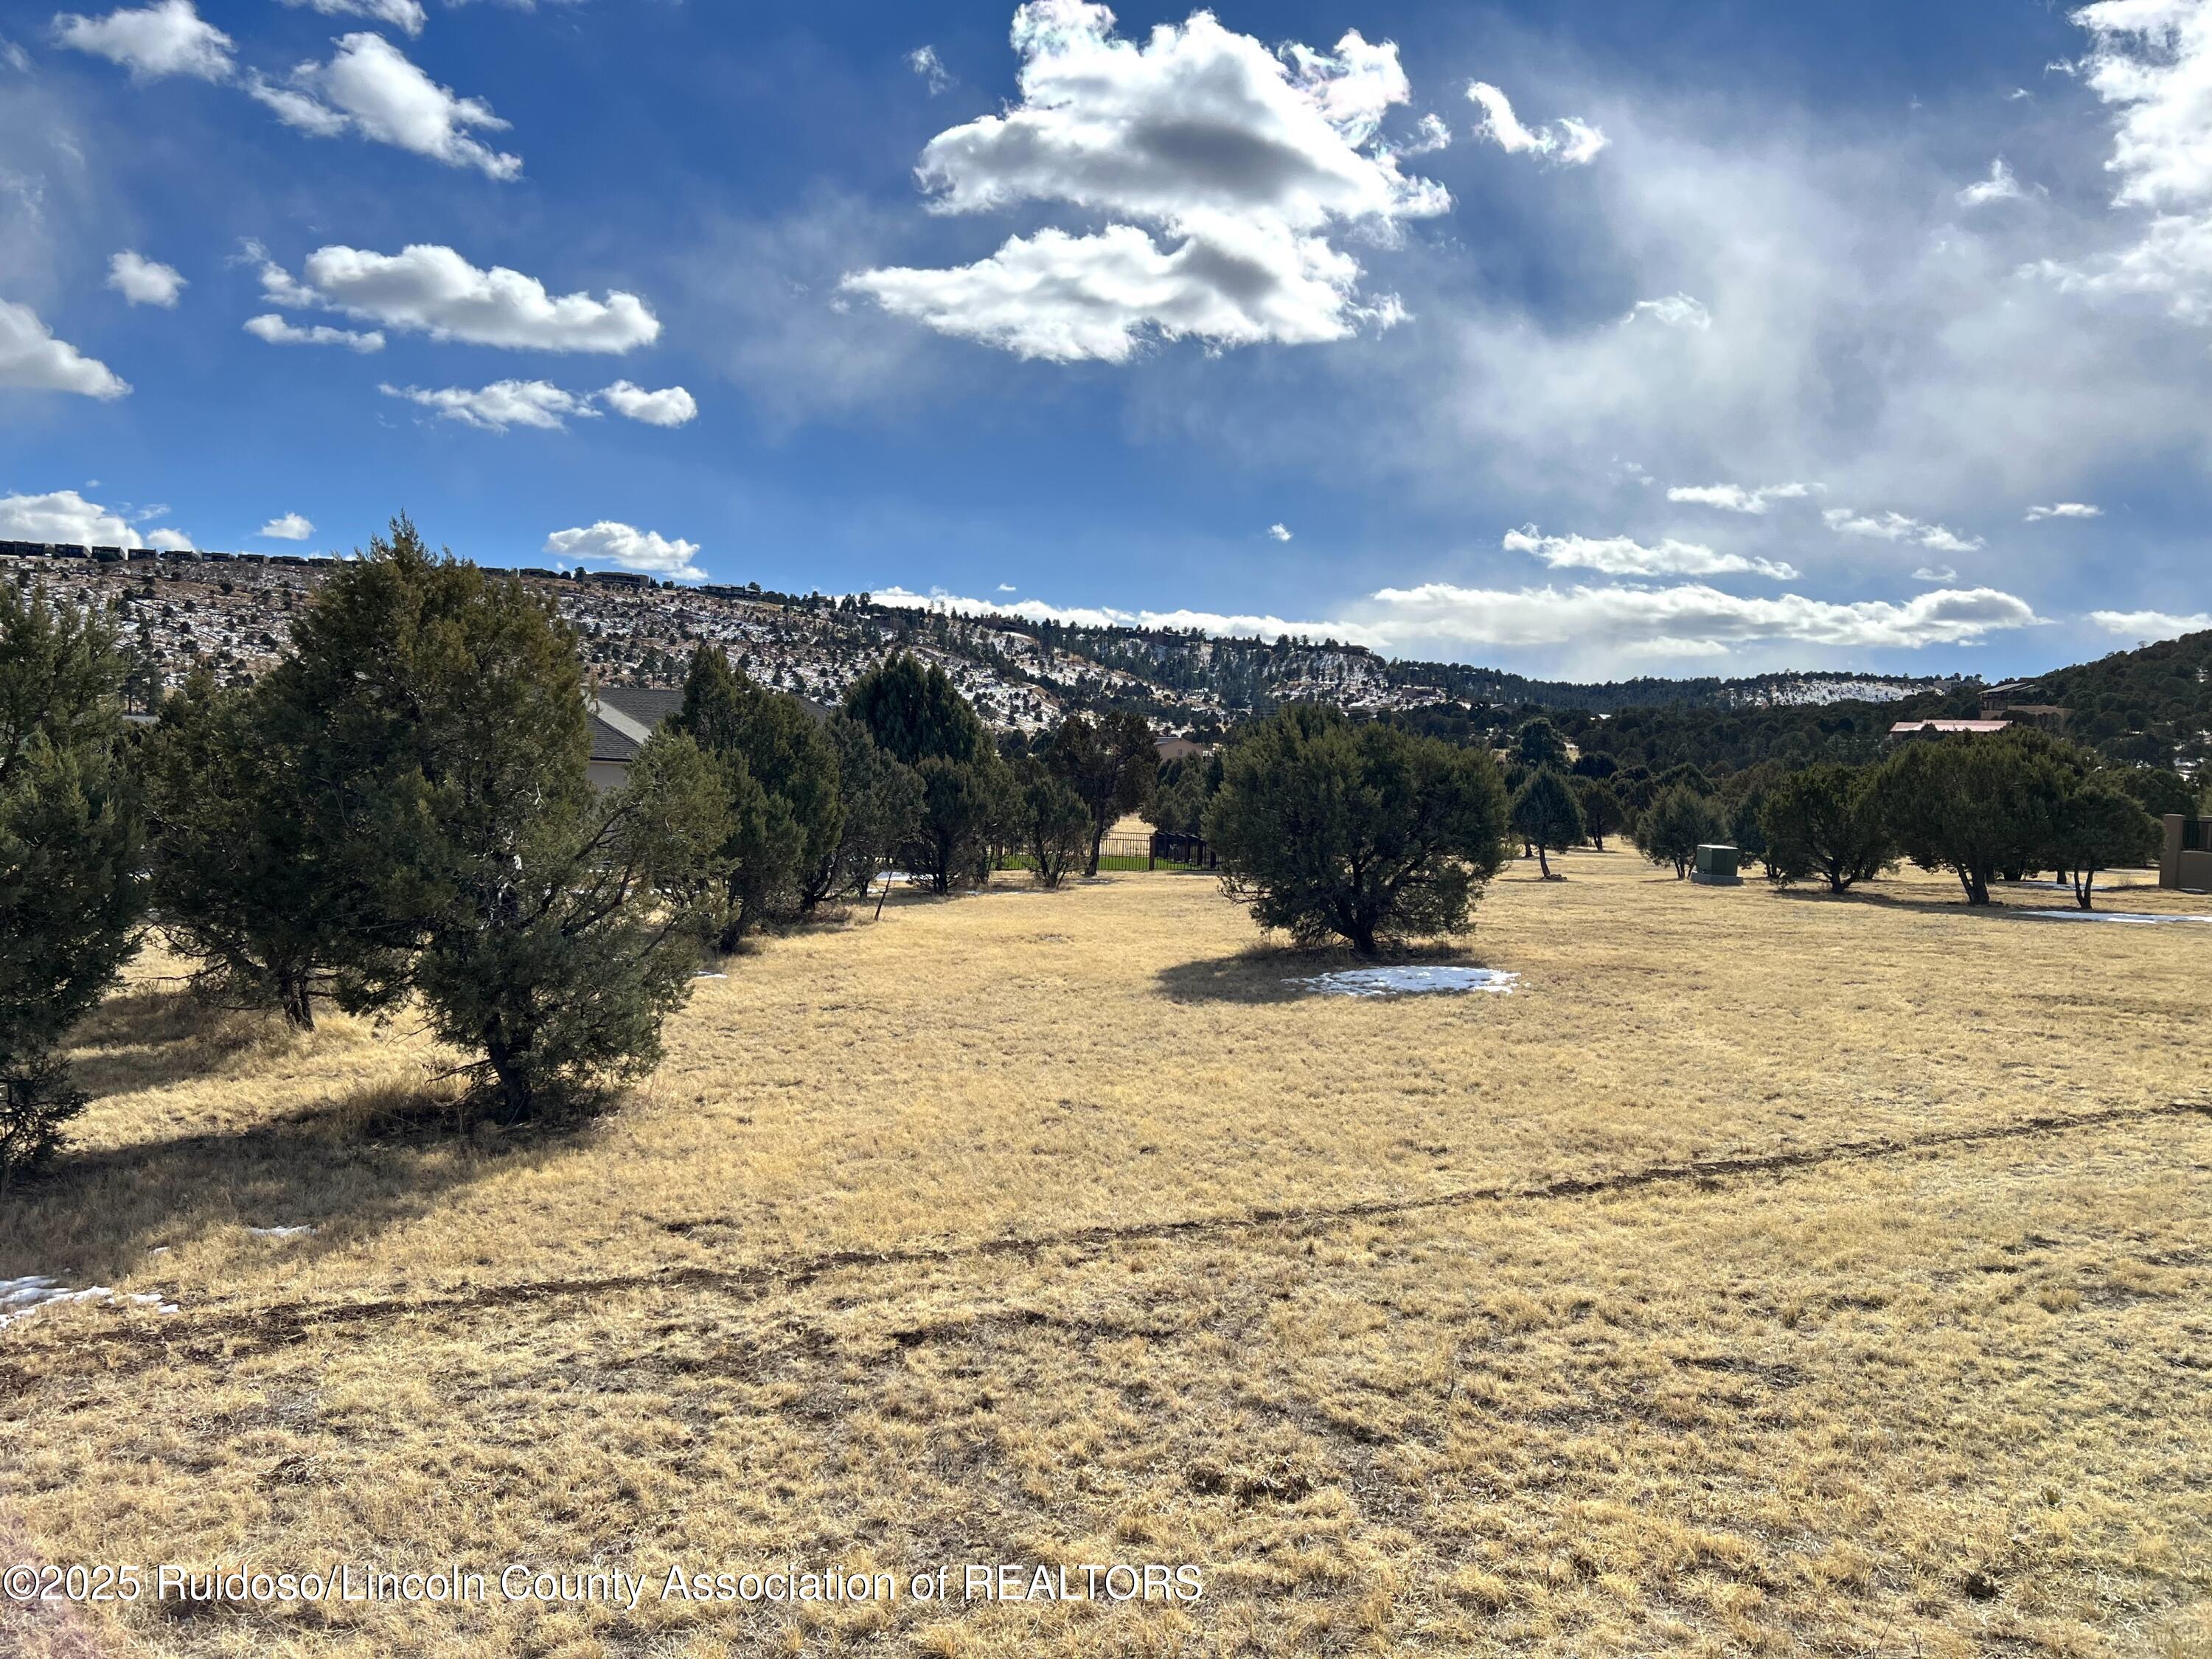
635, 710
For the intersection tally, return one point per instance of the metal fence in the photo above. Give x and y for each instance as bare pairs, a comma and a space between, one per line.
1159, 851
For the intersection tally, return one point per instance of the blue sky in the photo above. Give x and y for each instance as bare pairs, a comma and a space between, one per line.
1594, 339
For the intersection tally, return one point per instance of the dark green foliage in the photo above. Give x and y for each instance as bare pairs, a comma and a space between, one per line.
1686, 777
1005, 816
1057, 823
1180, 798
1111, 765
881, 802
964, 804
960, 807
1678, 822
70, 836
1595, 764
1602, 813
1979, 806
2151, 706
1547, 815
781, 788
2156, 789
1826, 821
1363, 832
554, 928
568, 973
2101, 827
916, 714
244, 877
1539, 745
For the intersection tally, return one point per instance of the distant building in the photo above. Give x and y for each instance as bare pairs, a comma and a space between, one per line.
2020, 701
623, 717
1940, 728
1175, 749
2186, 862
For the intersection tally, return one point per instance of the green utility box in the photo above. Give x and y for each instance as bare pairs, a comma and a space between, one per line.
1715, 867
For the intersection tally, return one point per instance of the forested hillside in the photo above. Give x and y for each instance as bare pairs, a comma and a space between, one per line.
2153, 705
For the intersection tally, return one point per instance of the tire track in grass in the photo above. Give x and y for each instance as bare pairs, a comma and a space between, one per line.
286, 1322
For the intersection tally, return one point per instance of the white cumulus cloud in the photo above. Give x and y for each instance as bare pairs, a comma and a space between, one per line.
1691, 620
2065, 510
2150, 624
32, 359
1245, 161
168, 38
1999, 186
1569, 141
429, 289
924, 62
1278, 532
292, 527
1935, 573
144, 281
405, 16
372, 88
1897, 527
500, 406
277, 331
541, 403
611, 542
1674, 310
1734, 498
673, 406
1620, 556
65, 516
2151, 61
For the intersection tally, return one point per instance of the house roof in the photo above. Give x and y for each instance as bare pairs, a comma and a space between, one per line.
624, 716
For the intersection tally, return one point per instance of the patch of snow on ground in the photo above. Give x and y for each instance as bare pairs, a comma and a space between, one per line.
282, 1233
21, 1298
1410, 982
2129, 918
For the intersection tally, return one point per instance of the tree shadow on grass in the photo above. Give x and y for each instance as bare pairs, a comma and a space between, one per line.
1866, 898
349, 1169
1266, 973
150, 1037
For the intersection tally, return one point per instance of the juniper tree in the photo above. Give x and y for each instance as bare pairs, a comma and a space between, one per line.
915, 712
1826, 821
1538, 744
881, 800
553, 927
1111, 765
1977, 806
1363, 832
1677, 823
70, 835
1602, 812
1547, 815
1179, 799
2100, 827
252, 873
1057, 822
917, 715
781, 791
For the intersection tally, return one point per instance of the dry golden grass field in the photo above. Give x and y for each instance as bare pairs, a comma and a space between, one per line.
1770, 1273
